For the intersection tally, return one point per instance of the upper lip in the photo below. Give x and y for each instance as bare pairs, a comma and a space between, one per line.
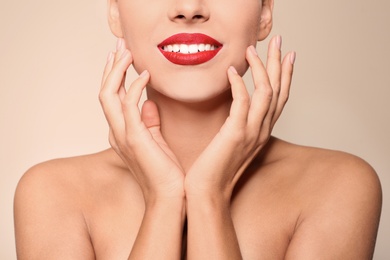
189, 38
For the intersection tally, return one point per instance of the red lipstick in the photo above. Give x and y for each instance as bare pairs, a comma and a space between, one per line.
189, 48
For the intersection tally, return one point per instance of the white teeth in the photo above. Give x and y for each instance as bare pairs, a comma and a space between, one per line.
192, 48
183, 48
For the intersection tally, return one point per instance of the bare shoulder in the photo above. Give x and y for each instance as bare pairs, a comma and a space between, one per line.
51, 202
325, 170
335, 174
340, 197
70, 177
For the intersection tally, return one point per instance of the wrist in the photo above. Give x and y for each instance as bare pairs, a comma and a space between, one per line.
163, 206
211, 195
156, 200
208, 200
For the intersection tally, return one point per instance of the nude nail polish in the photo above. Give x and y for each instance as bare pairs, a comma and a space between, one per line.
119, 44
253, 50
278, 41
144, 73
292, 58
109, 57
233, 69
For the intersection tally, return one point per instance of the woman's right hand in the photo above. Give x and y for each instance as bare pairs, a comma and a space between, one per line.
136, 136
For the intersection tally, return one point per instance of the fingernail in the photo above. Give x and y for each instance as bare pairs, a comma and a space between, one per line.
278, 41
124, 54
119, 44
144, 74
109, 57
253, 50
233, 69
292, 57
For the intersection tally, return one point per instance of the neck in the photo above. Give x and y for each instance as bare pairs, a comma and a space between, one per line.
189, 127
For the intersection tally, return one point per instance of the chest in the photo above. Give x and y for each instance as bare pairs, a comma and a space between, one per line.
264, 222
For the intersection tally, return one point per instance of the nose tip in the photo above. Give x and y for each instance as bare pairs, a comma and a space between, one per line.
189, 11
196, 17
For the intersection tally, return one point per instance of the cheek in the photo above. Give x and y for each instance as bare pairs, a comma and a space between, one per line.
242, 19
248, 26
136, 28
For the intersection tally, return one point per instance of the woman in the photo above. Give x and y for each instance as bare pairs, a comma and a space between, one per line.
196, 173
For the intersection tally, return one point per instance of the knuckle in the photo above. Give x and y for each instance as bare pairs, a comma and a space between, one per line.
276, 88
130, 140
126, 104
237, 137
123, 147
264, 136
284, 98
268, 92
113, 143
244, 100
103, 96
274, 56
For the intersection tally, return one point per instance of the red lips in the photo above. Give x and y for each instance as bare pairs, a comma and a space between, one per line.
198, 48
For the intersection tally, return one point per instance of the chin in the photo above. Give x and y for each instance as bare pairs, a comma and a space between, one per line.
190, 88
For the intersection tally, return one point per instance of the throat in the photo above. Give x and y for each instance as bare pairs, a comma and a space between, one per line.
189, 127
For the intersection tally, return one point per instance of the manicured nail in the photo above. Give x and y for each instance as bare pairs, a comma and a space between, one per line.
143, 74
119, 44
253, 50
125, 54
292, 57
233, 70
109, 57
278, 41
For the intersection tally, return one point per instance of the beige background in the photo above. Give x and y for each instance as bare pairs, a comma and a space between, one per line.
53, 52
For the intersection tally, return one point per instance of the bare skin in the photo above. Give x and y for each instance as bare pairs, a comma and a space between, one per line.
293, 203
208, 169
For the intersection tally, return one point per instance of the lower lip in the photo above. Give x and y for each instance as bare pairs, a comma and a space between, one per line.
189, 59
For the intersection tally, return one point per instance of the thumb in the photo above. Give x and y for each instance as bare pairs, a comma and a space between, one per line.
151, 119
150, 116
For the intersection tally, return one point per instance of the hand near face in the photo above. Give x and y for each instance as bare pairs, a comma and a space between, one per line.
248, 127
136, 136
138, 141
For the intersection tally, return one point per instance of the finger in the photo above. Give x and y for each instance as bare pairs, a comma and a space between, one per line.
112, 58
150, 115
274, 70
262, 95
107, 68
112, 141
120, 48
241, 100
130, 103
109, 96
122, 88
286, 78
151, 118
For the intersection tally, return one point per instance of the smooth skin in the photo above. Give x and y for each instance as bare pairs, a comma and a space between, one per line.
231, 192
286, 202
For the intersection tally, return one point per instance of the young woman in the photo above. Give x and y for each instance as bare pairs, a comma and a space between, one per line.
196, 173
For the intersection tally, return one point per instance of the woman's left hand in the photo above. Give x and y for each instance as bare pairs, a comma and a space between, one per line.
248, 127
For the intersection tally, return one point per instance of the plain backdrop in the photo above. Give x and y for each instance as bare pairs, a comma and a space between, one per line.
53, 53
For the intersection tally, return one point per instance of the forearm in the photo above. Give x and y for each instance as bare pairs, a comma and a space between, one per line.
211, 234
160, 234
